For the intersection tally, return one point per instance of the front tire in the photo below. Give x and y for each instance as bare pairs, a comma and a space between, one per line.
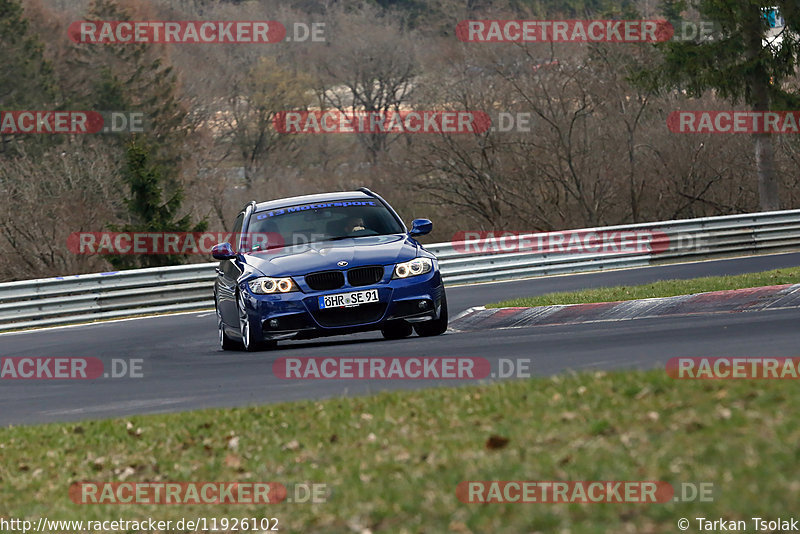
249, 343
397, 330
437, 326
226, 343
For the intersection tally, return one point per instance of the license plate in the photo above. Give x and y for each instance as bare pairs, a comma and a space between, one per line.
346, 300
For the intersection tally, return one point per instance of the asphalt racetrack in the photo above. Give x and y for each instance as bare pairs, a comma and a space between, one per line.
183, 369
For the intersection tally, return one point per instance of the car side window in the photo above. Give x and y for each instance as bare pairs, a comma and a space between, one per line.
237, 228
227, 266
237, 224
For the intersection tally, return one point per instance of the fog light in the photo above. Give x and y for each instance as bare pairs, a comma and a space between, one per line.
273, 323
423, 304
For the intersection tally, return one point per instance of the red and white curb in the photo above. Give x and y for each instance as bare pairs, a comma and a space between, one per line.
732, 301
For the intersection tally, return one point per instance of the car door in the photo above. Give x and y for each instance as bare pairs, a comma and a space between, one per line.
228, 272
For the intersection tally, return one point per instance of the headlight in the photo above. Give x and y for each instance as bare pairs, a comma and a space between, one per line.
268, 286
412, 268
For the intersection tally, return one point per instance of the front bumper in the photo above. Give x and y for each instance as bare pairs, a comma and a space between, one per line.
297, 314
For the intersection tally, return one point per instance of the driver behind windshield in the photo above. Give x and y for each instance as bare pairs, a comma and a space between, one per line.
354, 224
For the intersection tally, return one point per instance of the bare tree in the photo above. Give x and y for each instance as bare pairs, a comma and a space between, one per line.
371, 70
255, 100
72, 189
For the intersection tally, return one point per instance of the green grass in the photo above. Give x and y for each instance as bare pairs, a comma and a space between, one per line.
393, 461
662, 288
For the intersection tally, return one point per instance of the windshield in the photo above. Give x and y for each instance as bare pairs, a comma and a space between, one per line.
325, 221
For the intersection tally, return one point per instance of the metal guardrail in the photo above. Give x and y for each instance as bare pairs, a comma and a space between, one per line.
89, 297
686, 239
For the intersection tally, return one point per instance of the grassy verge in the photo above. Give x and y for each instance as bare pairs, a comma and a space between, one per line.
392, 461
662, 288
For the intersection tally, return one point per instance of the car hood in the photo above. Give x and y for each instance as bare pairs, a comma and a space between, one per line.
325, 255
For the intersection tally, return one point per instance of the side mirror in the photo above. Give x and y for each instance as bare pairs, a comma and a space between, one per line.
420, 227
223, 251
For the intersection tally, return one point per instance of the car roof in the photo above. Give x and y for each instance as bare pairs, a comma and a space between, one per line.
306, 199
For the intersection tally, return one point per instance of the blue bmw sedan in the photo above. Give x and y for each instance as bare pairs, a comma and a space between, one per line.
322, 265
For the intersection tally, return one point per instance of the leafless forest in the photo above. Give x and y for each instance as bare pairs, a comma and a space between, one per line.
598, 151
